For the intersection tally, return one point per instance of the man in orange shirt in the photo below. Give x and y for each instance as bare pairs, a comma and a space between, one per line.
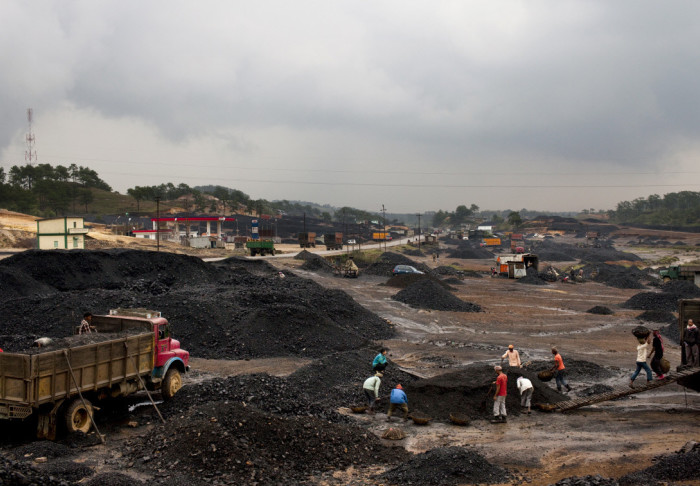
560, 371
499, 398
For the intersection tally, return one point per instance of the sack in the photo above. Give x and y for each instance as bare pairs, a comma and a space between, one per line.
665, 365
641, 332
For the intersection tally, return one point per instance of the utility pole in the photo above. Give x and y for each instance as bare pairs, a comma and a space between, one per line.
384, 222
157, 223
418, 232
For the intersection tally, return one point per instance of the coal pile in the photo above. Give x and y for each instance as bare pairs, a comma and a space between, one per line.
386, 262
315, 263
223, 312
448, 270
470, 391
658, 316
596, 389
446, 466
403, 280
238, 444
414, 253
589, 480
427, 294
532, 278
65, 270
681, 466
469, 253
575, 369
600, 310
666, 300
605, 253
342, 375
616, 276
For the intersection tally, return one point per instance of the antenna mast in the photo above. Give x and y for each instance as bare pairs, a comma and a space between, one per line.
30, 153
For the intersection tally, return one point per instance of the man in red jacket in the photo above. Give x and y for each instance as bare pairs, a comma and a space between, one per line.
499, 398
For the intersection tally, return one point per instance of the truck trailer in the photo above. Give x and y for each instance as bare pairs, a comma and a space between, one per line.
333, 241
307, 240
58, 383
260, 247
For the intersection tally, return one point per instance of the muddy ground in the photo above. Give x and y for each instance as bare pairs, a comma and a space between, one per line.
265, 405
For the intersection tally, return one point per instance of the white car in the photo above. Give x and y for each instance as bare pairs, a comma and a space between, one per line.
352, 242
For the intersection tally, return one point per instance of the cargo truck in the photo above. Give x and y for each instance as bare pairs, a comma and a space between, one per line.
307, 240
491, 242
380, 236
333, 241
58, 384
260, 247
681, 272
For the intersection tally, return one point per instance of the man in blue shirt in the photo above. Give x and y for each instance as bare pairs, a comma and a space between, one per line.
379, 362
398, 399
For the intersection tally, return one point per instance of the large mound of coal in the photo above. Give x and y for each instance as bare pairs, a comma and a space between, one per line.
554, 251
446, 466
470, 391
427, 294
470, 253
681, 466
238, 444
386, 262
223, 311
600, 310
65, 270
403, 280
666, 300
616, 276
316, 263
589, 480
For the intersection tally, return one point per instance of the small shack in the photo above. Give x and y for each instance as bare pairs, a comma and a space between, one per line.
65, 233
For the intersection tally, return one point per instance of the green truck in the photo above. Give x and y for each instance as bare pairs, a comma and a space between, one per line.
681, 272
261, 247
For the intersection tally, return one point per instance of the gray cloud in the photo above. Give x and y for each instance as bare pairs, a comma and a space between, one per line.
454, 86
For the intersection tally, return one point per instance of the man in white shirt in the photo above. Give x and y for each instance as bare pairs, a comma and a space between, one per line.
525, 388
371, 389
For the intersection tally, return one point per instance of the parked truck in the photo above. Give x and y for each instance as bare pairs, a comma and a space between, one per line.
260, 247
681, 272
491, 242
307, 240
333, 241
381, 236
59, 383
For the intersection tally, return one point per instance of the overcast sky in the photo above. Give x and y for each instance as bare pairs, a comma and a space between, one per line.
544, 105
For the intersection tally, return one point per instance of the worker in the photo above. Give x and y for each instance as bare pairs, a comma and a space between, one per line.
525, 388
559, 371
513, 357
1, 350
642, 350
371, 389
691, 343
379, 363
350, 267
657, 351
398, 399
499, 397
86, 326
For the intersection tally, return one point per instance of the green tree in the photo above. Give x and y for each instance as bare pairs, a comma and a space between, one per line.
514, 219
85, 197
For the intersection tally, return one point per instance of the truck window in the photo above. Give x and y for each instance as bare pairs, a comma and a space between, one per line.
163, 332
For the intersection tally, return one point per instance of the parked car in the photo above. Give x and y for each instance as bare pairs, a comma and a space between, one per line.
352, 242
399, 269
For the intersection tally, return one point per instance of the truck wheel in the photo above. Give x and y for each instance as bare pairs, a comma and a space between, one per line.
273, 252
77, 416
667, 279
171, 384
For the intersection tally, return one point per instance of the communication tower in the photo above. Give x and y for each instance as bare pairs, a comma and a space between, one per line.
30, 153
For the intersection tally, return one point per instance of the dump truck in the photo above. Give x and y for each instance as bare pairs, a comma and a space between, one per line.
260, 247
58, 383
333, 241
681, 272
307, 240
516, 265
491, 242
380, 236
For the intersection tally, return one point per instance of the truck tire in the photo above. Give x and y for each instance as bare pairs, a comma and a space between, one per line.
171, 384
77, 416
273, 252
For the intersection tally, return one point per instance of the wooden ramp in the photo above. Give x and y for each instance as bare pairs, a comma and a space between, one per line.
623, 391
